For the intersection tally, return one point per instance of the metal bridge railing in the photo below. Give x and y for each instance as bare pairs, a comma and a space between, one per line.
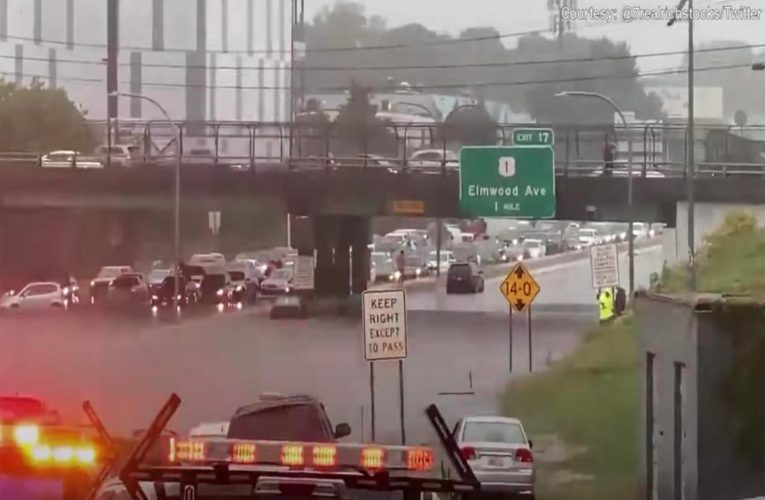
659, 150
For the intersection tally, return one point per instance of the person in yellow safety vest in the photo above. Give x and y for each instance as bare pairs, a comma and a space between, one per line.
606, 305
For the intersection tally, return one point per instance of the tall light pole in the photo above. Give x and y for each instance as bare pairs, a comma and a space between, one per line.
630, 210
177, 194
690, 175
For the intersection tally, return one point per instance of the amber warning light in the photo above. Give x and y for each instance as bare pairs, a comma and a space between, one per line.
301, 455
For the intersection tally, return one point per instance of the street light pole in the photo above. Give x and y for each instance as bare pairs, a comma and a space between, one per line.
177, 194
630, 210
691, 167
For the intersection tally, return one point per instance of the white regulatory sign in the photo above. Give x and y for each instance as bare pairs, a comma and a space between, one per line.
604, 262
303, 278
384, 314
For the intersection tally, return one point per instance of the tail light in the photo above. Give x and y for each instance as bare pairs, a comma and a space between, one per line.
468, 453
523, 455
244, 453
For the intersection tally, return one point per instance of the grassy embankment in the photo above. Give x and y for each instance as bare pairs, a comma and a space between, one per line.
582, 413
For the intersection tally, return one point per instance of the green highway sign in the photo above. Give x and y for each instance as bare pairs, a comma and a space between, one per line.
504, 181
533, 137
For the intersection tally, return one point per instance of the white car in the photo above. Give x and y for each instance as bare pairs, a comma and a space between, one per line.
433, 159
447, 259
278, 283
533, 248
588, 237
100, 284
499, 452
36, 296
68, 159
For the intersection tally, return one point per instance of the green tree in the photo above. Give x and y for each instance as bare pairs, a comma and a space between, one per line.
469, 126
37, 119
358, 131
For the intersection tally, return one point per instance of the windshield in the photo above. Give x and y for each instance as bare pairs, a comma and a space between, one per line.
110, 272
283, 423
460, 270
158, 274
493, 432
125, 282
236, 275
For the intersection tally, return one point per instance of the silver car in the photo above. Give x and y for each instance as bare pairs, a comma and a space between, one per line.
499, 452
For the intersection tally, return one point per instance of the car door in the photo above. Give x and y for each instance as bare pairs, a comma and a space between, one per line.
37, 296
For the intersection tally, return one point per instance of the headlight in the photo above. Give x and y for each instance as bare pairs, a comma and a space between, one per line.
154, 297
26, 435
287, 289
65, 290
219, 293
239, 288
515, 241
92, 283
622, 236
418, 272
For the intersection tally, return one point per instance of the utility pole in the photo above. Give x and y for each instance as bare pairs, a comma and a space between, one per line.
112, 53
690, 174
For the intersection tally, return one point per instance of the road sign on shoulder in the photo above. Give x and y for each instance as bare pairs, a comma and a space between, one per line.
604, 264
384, 324
303, 278
503, 181
519, 287
533, 137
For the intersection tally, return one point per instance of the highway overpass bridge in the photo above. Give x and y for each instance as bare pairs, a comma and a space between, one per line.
83, 218
45, 212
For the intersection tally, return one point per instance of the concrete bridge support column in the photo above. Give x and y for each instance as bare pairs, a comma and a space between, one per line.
323, 241
360, 258
342, 264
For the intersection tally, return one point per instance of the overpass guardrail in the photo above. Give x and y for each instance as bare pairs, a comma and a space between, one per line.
658, 150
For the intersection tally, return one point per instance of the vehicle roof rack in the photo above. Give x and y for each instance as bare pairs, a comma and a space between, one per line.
134, 470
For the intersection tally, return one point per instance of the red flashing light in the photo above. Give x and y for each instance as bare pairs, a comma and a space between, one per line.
244, 453
419, 459
292, 454
372, 458
325, 455
523, 455
468, 453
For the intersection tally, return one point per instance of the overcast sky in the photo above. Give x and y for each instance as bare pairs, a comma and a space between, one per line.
508, 16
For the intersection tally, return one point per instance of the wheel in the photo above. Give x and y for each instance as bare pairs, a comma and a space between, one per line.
56, 305
14, 306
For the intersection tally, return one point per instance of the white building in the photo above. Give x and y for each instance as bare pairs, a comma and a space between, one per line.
201, 59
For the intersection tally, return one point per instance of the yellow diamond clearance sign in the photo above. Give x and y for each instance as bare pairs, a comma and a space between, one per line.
519, 287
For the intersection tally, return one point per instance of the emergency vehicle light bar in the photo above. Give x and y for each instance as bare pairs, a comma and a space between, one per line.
301, 455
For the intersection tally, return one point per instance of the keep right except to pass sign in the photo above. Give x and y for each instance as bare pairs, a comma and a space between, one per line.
604, 263
384, 314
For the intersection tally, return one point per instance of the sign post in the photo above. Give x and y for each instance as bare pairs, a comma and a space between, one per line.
503, 181
604, 264
384, 314
519, 289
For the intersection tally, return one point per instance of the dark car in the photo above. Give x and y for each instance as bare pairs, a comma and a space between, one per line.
216, 289
464, 277
155, 279
163, 296
130, 289
285, 418
288, 307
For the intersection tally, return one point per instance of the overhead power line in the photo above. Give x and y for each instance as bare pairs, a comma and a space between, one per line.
422, 87
498, 64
